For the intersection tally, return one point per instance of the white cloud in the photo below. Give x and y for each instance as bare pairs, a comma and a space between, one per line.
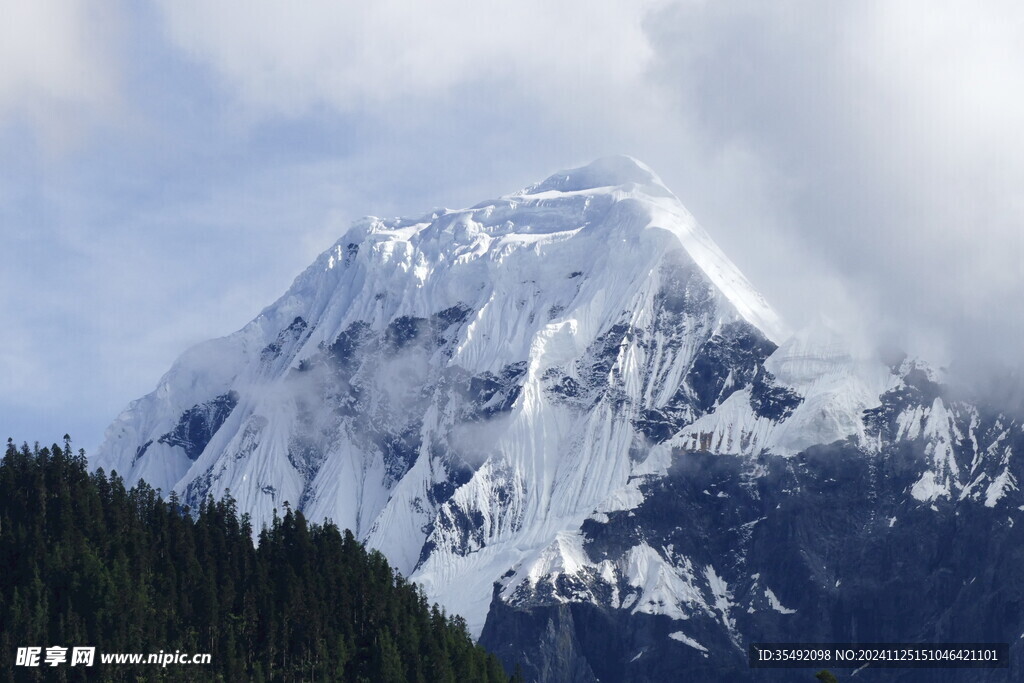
886, 140
290, 57
55, 69
942, 140
949, 83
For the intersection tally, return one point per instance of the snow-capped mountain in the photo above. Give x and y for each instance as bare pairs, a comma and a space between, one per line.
564, 399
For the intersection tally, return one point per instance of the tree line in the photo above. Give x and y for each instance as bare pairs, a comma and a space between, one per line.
85, 561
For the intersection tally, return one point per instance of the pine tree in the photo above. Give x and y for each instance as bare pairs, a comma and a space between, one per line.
88, 561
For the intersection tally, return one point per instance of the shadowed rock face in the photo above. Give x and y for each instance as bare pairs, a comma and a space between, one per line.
198, 424
826, 546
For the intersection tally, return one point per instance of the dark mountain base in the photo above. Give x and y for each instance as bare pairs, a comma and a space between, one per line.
834, 536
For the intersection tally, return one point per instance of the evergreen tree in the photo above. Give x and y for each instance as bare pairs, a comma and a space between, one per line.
88, 562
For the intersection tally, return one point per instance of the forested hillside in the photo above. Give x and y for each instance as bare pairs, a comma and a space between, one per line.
86, 562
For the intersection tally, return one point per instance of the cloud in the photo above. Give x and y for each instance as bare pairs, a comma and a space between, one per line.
56, 72
885, 137
290, 58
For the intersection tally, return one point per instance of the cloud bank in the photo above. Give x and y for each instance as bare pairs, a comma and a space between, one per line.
350, 56
57, 68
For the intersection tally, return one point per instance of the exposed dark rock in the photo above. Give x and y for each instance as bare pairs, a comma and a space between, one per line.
770, 400
834, 537
198, 424
728, 361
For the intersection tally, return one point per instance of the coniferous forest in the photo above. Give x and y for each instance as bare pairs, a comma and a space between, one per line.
85, 561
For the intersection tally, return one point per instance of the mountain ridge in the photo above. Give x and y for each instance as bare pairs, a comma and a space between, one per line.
469, 391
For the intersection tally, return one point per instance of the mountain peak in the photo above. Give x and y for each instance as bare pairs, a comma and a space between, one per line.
425, 373
618, 171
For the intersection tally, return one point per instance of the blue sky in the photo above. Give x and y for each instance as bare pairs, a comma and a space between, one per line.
166, 168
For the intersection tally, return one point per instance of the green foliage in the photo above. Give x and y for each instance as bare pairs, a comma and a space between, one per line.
826, 676
88, 562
